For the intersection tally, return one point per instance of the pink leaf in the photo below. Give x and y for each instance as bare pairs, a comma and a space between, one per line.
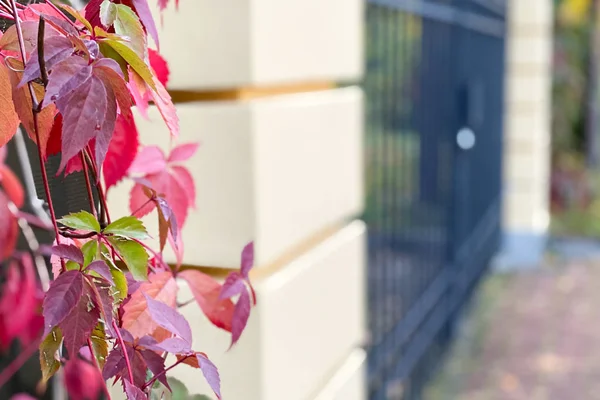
240, 316
169, 319
183, 152
121, 151
82, 380
174, 345
145, 15
247, 259
68, 252
62, 297
101, 269
183, 177
210, 372
165, 106
150, 160
140, 204
8, 229
80, 322
206, 293
11, 185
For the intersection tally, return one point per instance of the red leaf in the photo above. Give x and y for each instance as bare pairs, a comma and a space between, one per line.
82, 380
159, 65
240, 316
165, 106
122, 151
80, 322
140, 204
62, 297
206, 293
9, 120
12, 186
91, 12
54, 140
8, 229
136, 316
185, 180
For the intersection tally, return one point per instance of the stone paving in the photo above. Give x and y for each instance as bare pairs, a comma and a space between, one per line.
531, 335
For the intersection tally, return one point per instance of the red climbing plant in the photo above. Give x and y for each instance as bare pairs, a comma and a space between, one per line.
109, 312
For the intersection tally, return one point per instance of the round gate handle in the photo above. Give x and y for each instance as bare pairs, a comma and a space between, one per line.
465, 138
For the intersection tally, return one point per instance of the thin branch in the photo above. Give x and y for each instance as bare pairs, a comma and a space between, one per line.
40, 51
124, 350
88, 185
163, 372
35, 111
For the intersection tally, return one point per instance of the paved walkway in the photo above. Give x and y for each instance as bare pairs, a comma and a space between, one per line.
531, 335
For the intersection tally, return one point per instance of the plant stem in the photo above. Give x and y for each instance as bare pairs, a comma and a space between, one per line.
88, 185
97, 364
124, 350
35, 110
18, 362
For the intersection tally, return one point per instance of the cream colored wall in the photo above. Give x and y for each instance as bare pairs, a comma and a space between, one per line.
284, 170
527, 129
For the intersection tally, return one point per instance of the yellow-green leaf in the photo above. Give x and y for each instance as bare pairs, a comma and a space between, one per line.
82, 220
99, 344
127, 227
120, 289
127, 24
49, 360
132, 59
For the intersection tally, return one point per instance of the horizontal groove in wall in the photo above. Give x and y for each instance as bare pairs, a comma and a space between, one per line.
270, 268
250, 92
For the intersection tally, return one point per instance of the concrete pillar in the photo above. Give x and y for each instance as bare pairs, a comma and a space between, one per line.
527, 132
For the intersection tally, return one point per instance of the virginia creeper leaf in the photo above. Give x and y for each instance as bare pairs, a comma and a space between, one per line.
49, 360
173, 345
9, 231
90, 251
80, 322
150, 160
66, 77
121, 288
77, 15
240, 316
82, 220
108, 13
132, 58
23, 106
114, 363
102, 269
10, 39
169, 319
133, 255
206, 293
11, 185
121, 151
100, 345
183, 152
62, 298
128, 227
68, 252
143, 11
9, 120
156, 364
136, 316
233, 285
159, 66
210, 372
127, 24
133, 392
56, 49
247, 259
165, 105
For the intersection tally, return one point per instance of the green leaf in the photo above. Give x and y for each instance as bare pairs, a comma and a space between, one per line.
48, 349
71, 265
108, 13
127, 24
129, 55
82, 220
127, 227
90, 252
133, 255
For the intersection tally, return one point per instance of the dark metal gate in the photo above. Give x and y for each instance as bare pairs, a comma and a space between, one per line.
434, 88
